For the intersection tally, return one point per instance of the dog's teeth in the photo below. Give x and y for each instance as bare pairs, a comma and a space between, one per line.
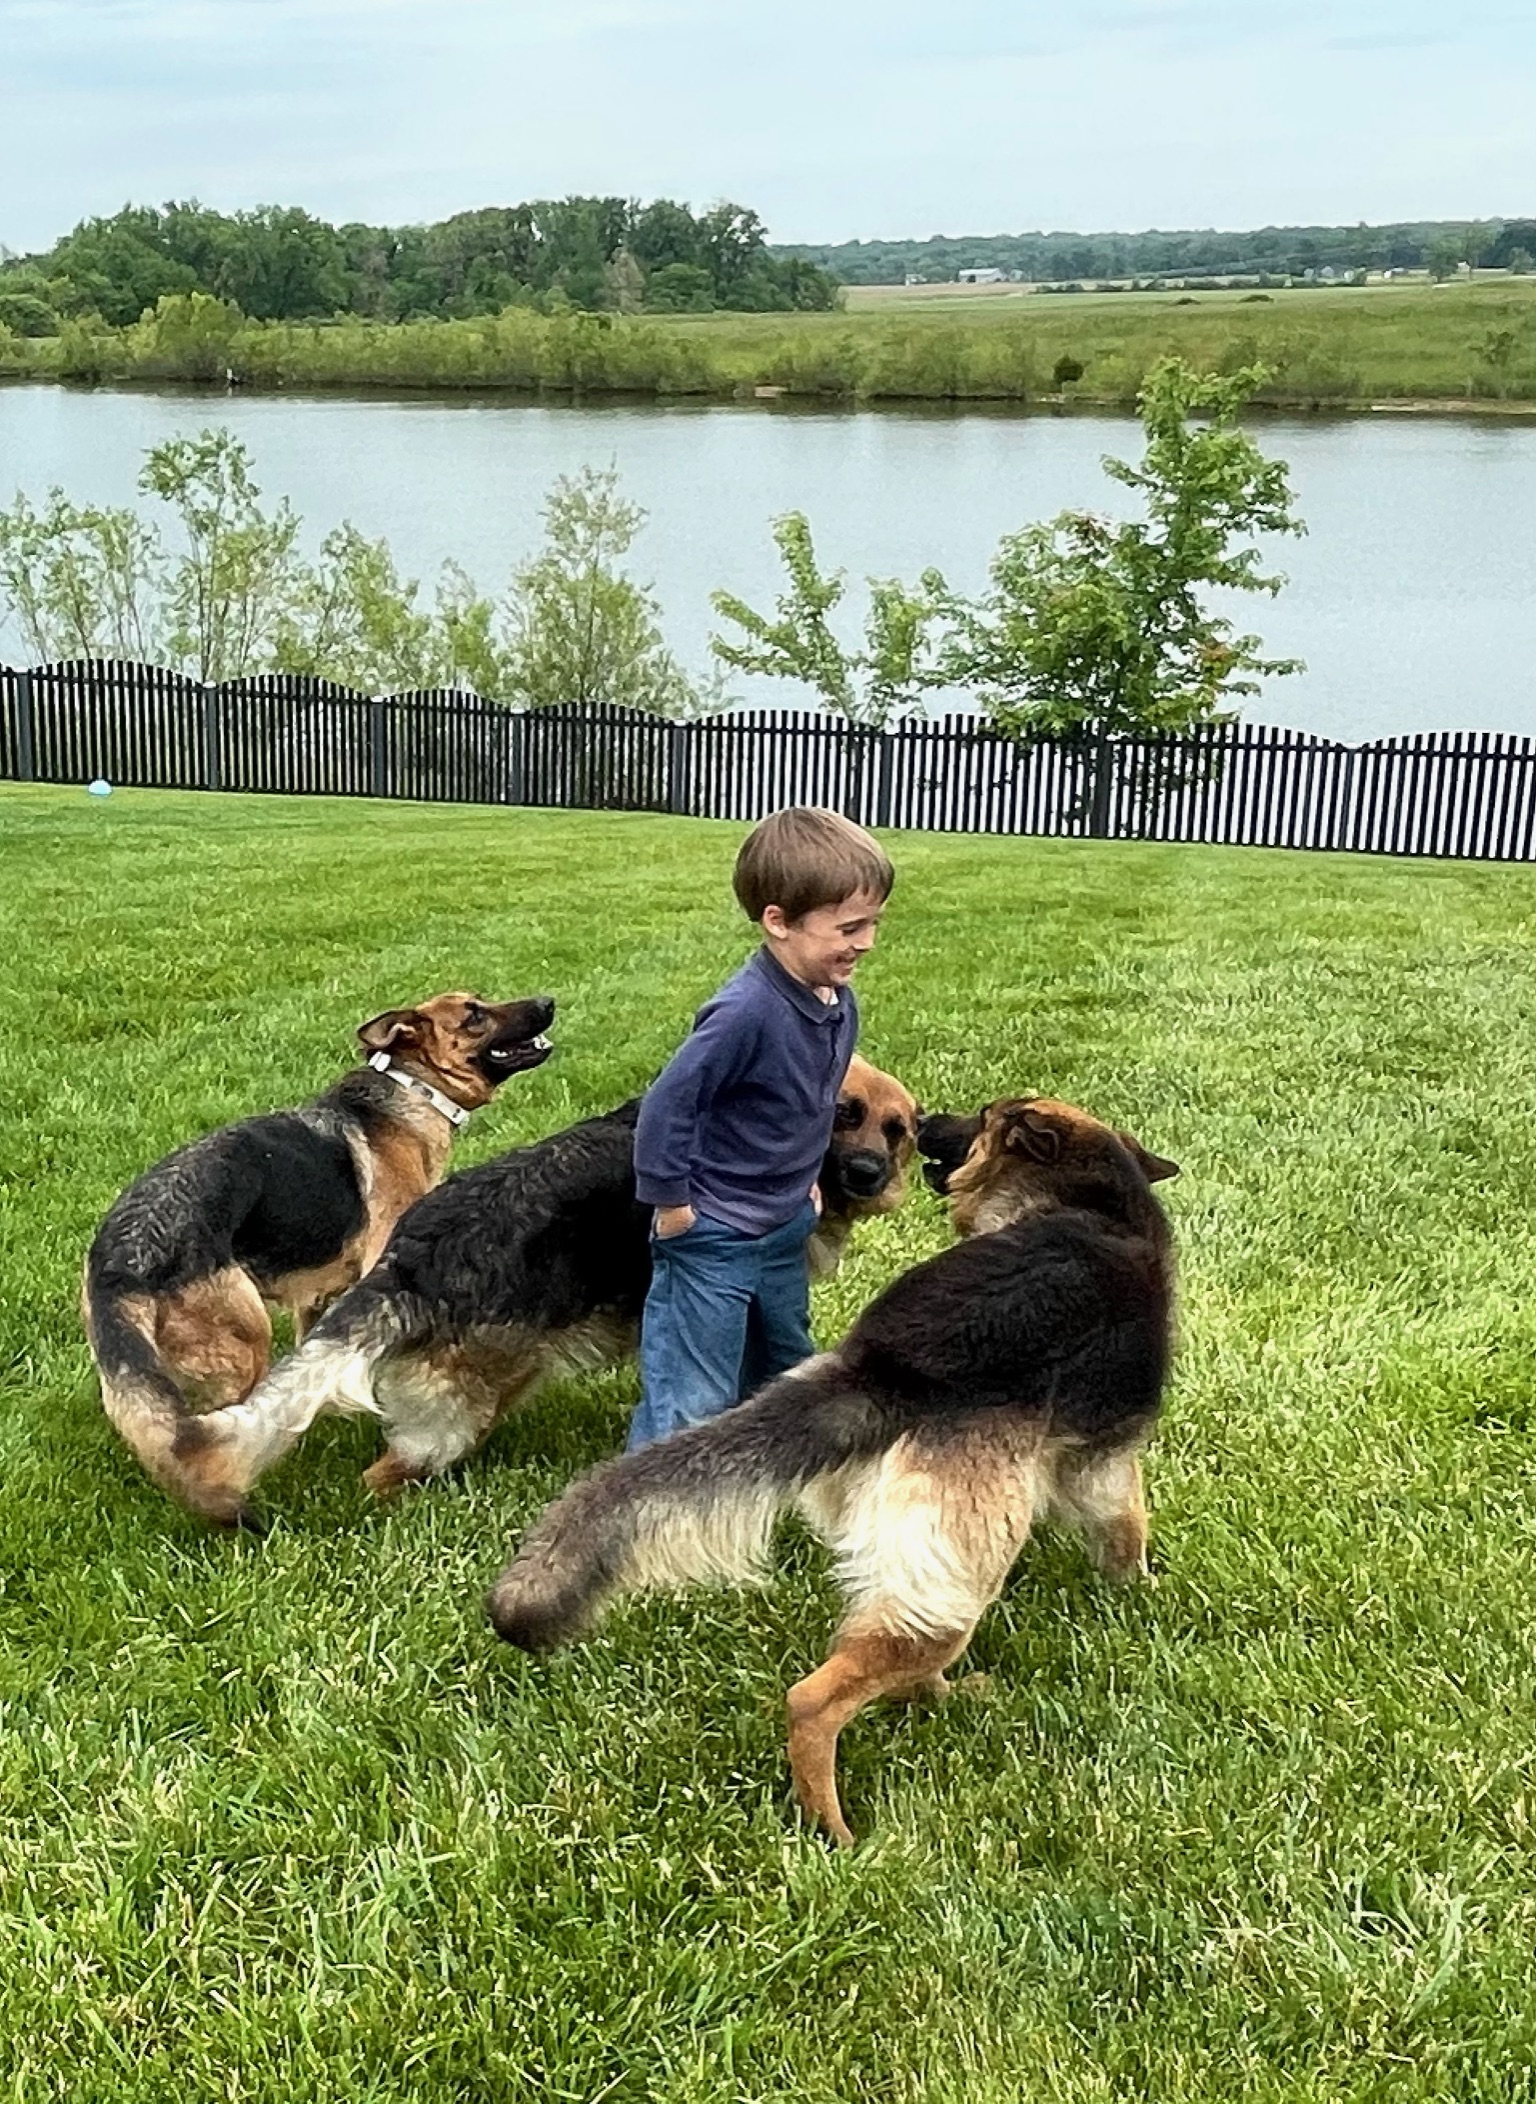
541, 1043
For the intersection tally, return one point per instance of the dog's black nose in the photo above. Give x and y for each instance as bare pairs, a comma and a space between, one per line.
543, 1007
864, 1173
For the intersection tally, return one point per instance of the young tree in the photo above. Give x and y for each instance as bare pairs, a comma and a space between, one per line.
577, 627
1442, 256
868, 687
1098, 626
355, 619
82, 582
232, 593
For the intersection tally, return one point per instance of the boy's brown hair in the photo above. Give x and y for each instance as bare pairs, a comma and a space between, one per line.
802, 858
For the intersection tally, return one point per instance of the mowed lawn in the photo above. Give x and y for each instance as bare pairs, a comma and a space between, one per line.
279, 1820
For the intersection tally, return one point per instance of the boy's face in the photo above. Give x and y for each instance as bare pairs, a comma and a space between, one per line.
824, 946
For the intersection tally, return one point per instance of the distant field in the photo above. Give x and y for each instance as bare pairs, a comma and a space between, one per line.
1342, 346
1454, 345
1006, 299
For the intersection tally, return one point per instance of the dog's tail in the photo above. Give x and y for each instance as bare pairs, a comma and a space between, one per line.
697, 1507
332, 1371
145, 1403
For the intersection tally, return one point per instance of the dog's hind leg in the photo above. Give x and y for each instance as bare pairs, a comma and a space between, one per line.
866, 1663
925, 1535
438, 1406
1101, 1494
216, 1336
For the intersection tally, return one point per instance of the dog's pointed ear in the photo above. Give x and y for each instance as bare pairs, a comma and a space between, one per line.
1156, 1168
1031, 1132
401, 1028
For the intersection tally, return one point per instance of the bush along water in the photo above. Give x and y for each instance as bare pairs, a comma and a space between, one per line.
1460, 344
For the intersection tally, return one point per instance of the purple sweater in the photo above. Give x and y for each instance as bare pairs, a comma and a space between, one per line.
737, 1122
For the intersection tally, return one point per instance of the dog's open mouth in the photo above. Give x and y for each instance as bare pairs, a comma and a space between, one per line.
516, 1055
519, 1043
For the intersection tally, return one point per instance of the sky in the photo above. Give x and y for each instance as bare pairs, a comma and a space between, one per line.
834, 119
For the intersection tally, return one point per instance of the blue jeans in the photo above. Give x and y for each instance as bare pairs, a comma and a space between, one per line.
725, 1313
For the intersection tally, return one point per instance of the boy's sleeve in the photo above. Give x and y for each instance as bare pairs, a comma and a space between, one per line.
719, 1047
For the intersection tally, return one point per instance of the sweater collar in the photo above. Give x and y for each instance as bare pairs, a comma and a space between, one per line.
796, 992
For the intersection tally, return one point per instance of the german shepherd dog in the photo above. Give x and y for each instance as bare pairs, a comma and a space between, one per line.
287, 1210
1015, 1374
535, 1263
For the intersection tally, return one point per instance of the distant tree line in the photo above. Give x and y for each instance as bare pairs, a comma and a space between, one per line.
1283, 252
279, 263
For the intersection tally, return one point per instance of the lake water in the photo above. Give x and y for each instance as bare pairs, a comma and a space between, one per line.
1412, 599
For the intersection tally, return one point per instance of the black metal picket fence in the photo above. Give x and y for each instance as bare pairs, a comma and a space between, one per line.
1468, 794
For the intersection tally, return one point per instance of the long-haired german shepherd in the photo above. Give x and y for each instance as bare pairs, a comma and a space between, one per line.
1015, 1374
532, 1263
286, 1210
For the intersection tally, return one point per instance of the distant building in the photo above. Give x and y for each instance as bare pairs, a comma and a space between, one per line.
982, 277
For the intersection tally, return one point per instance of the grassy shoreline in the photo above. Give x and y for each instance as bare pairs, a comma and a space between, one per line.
1426, 349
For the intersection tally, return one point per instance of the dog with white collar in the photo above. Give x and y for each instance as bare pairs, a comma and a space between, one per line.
286, 1210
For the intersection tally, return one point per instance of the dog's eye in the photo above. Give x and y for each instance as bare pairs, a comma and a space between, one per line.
850, 1112
474, 1015
895, 1131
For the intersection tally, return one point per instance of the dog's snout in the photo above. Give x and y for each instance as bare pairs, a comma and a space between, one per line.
541, 1010
864, 1172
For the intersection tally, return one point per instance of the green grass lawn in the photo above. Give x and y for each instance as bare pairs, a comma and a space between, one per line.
279, 1820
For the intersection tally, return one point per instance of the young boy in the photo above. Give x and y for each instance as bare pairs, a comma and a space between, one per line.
732, 1132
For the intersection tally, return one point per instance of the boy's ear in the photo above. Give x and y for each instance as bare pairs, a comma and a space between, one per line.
775, 922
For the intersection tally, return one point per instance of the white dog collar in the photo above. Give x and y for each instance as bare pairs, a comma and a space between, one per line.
455, 1113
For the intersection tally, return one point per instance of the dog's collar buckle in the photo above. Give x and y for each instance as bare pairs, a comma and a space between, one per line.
455, 1113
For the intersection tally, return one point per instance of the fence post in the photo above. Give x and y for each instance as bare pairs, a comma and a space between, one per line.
515, 739
21, 707
886, 750
213, 758
378, 773
1098, 812
679, 773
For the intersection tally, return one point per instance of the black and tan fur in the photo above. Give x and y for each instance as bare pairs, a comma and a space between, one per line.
284, 1210
1014, 1375
531, 1264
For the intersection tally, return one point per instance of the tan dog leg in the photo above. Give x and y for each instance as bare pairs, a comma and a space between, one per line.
216, 1337
438, 1409
1104, 1498
864, 1666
